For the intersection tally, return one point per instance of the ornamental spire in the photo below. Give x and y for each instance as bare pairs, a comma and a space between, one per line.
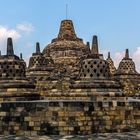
21, 56
108, 55
127, 54
37, 48
10, 50
94, 49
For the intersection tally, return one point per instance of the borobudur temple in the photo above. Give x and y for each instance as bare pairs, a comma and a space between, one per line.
68, 88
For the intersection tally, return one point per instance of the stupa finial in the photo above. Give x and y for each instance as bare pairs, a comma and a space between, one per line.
37, 48
108, 55
127, 54
88, 44
20, 55
94, 49
10, 50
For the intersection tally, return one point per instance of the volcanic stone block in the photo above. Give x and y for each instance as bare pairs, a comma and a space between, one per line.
33, 133
90, 123
62, 123
138, 121
109, 122
60, 128
82, 128
61, 114
31, 123
36, 128
16, 127
66, 128
27, 119
80, 123
71, 128
108, 127
2, 114
106, 118
12, 89
100, 113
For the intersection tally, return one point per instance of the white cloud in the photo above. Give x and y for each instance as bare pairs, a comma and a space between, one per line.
117, 58
105, 52
25, 27
136, 58
14, 33
29, 45
5, 32
27, 58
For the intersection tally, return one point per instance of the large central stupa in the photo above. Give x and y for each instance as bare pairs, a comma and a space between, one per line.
67, 48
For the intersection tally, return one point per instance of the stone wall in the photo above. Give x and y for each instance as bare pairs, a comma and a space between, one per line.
67, 117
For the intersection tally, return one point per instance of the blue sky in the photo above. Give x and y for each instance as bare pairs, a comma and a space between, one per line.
116, 22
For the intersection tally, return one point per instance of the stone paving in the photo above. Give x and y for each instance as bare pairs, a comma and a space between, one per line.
101, 136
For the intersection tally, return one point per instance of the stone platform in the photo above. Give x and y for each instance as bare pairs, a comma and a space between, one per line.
44, 117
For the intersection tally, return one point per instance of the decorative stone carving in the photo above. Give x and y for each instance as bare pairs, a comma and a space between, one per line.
128, 76
110, 62
13, 82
